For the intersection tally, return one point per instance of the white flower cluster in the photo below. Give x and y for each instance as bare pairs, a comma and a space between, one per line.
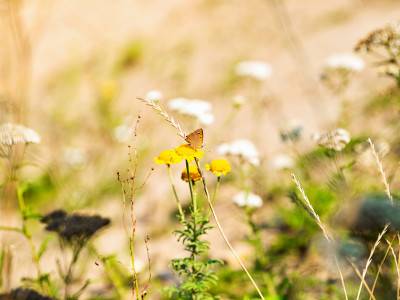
335, 140
247, 199
196, 108
282, 162
154, 96
345, 61
243, 148
258, 70
12, 134
123, 133
74, 157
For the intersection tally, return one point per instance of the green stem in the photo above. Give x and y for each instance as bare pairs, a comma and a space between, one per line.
135, 277
9, 228
190, 186
68, 276
25, 231
136, 289
171, 181
194, 205
214, 196
256, 240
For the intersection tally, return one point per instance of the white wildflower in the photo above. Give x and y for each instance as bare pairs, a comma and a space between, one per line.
123, 133
335, 140
206, 118
74, 157
282, 162
12, 134
154, 96
196, 108
242, 148
346, 61
247, 199
256, 69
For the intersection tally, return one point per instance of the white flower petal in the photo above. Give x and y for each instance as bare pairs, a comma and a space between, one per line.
256, 69
154, 96
11, 134
247, 199
345, 61
282, 162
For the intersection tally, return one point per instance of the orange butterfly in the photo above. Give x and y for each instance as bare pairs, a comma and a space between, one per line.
195, 139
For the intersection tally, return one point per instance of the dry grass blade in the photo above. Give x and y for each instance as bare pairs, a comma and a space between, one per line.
311, 210
369, 260
380, 268
155, 106
362, 279
341, 277
397, 265
381, 170
327, 235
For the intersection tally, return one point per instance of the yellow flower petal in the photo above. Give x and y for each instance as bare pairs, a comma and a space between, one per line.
168, 157
219, 167
188, 153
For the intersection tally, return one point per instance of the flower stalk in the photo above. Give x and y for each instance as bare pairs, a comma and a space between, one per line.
221, 230
178, 203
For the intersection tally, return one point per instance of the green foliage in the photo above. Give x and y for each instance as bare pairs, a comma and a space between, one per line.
130, 55
383, 102
195, 271
117, 275
2, 259
40, 189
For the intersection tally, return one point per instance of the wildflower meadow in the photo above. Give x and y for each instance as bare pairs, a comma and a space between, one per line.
198, 150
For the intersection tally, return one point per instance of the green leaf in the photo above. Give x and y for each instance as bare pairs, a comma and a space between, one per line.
43, 246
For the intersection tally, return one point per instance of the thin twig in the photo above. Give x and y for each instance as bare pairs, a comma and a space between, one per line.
237, 257
145, 289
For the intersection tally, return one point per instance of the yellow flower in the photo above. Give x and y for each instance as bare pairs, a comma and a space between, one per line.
168, 157
193, 174
108, 90
188, 153
219, 167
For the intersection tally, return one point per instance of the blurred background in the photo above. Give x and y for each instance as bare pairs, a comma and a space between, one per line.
273, 73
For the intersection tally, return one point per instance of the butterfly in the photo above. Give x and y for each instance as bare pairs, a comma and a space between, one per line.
195, 139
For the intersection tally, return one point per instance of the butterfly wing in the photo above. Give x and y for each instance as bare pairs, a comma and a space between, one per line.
195, 139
